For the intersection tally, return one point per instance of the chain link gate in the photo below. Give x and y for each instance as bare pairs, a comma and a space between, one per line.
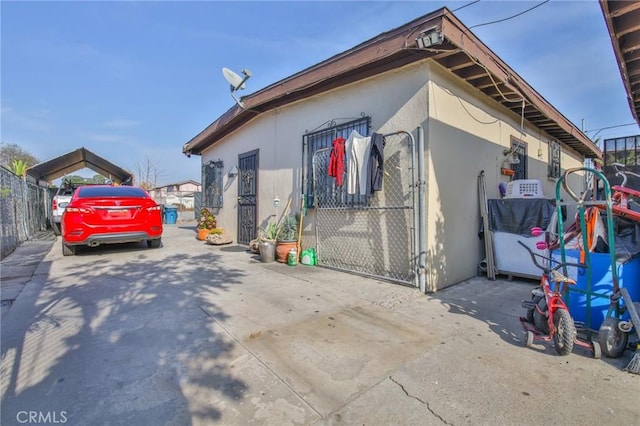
369, 235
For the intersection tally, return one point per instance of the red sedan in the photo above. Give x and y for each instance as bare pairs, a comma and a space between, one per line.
105, 214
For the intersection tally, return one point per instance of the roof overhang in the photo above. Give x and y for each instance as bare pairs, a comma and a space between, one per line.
623, 23
76, 160
459, 51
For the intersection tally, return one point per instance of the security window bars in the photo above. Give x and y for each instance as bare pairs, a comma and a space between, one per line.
521, 151
212, 184
625, 151
622, 150
554, 160
322, 139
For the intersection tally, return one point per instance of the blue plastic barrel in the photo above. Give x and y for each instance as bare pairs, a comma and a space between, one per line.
170, 215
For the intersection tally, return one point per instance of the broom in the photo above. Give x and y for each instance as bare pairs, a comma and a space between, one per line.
634, 365
303, 211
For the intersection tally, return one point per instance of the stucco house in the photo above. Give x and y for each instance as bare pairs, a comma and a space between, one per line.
179, 194
446, 108
177, 188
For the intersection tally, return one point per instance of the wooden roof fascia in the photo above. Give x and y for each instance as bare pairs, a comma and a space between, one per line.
610, 11
382, 46
457, 33
391, 49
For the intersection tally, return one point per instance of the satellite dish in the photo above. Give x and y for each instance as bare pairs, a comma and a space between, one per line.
236, 82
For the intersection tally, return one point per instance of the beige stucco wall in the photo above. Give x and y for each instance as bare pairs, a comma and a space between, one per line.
394, 101
465, 133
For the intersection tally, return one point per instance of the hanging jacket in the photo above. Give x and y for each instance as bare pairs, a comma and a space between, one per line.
376, 164
358, 149
336, 160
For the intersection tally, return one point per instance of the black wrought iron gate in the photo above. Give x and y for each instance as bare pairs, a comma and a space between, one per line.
247, 196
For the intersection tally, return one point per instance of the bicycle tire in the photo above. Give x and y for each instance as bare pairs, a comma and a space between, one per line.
565, 333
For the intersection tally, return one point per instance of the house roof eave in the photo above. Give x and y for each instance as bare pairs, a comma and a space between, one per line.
461, 52
623, 24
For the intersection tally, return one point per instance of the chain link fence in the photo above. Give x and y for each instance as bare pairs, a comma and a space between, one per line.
369, 235
25, 209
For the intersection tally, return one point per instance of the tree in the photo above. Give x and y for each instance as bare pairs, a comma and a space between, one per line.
18, 167
98, 179
11, 151
147, 173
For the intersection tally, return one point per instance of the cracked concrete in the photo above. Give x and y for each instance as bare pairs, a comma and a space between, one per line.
419, 400
191, 334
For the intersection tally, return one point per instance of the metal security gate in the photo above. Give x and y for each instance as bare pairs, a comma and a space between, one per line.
370, 235
247, 196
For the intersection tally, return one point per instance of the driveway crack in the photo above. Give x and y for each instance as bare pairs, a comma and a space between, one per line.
425, 403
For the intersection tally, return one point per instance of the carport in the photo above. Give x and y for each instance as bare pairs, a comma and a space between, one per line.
76, 160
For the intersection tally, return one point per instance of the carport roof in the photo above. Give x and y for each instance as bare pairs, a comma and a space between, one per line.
457, 49
77, 160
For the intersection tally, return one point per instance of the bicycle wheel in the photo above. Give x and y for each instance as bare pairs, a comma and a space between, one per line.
565, 334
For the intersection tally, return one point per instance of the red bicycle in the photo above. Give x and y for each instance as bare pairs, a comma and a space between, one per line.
548, 317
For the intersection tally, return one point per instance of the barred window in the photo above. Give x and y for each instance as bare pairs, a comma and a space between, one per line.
323, 139
622, 150
212, 183
520, 149
554, 160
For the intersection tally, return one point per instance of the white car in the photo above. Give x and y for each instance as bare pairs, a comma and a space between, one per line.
60, 201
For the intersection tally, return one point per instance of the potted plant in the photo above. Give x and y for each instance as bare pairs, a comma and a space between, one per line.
267, 242
287, 237
206, 222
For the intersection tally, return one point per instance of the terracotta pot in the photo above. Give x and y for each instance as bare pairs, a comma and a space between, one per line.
282, 250
202, 234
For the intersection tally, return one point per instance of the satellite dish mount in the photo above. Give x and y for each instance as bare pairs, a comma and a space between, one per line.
236, 82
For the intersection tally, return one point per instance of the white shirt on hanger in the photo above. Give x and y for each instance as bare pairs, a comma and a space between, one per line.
358, 149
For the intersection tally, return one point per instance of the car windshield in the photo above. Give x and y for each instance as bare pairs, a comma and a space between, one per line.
110, 191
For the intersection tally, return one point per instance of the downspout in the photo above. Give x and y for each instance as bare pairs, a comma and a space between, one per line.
422, 224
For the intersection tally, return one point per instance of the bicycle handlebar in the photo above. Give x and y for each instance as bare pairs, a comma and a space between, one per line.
621, 171
547, 270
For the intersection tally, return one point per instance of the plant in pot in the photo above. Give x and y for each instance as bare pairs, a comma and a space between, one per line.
206, 222
287, 238
267, 242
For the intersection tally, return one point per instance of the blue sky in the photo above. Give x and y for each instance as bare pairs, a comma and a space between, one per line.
137, 80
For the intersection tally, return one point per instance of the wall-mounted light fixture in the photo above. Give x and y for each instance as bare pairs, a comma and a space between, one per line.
432, 36
233, 172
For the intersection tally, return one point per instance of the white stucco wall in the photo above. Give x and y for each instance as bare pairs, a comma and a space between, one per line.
394, 101
465, 132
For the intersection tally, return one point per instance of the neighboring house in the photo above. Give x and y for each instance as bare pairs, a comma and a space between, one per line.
184, 187
450, 109
179, 194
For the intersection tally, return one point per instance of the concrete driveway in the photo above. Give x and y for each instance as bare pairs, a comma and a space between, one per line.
191, 334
